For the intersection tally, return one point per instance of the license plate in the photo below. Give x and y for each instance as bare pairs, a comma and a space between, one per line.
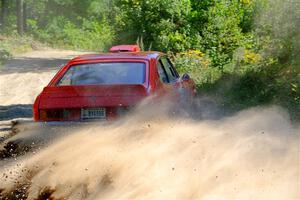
93, 113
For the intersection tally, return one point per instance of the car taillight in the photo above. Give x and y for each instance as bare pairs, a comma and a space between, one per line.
121, 111
51, 114
59, 114
116, 112
43, 115
36, 114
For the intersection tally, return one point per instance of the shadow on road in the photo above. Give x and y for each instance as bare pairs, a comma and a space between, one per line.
15, 111
38, 65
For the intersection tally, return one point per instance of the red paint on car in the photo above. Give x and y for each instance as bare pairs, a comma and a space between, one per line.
107, 85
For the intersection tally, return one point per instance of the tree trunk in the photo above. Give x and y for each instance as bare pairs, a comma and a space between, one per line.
20, 20
3, 14
24, 17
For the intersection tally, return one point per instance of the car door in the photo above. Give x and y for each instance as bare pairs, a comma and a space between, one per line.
184, 86
168, 78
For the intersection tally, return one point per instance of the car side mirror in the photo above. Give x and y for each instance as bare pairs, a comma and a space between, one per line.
185, 77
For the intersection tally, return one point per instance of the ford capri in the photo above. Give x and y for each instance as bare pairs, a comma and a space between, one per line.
105, 86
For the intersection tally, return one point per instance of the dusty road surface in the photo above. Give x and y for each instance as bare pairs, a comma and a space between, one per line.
23, 77
253, 154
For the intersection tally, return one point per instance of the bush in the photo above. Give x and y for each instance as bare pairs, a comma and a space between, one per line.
13, 44
4, 55
197, 65
90, 35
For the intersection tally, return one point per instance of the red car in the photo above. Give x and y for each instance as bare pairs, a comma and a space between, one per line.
106, 85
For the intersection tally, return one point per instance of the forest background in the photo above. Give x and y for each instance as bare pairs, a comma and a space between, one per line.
243, 53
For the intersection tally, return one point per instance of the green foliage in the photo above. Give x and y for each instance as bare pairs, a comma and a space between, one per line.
163, 24
4, 55
92, 35
223, 32
14, 44
278, 85
197, 64
244, 52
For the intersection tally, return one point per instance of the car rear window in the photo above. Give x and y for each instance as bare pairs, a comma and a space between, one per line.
105, 73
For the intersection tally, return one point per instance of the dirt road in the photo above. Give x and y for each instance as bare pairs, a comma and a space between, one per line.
253, 154
22, 78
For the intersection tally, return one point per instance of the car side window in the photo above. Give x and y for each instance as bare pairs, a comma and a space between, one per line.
162, 73
67, 78
169, 70
173, 68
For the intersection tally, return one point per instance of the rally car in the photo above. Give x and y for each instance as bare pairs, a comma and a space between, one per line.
106, 85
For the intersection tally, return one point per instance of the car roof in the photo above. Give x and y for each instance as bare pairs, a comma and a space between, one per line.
147, 55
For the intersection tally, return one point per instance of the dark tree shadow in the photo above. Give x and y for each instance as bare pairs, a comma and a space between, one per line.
38, 65
15, 111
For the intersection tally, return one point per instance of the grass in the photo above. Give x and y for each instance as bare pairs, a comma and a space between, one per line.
11, 45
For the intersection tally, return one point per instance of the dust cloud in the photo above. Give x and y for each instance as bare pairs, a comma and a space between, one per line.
149, 155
